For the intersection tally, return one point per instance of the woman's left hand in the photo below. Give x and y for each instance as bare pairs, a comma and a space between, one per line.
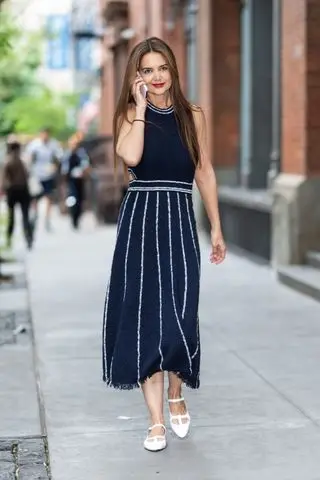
218, 252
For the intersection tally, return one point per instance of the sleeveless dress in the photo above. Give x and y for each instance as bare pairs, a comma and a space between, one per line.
150, 319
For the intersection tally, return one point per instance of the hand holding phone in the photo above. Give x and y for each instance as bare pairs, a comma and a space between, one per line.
139, 91
144, 90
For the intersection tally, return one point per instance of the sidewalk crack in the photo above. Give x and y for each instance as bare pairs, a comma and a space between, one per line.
271, 385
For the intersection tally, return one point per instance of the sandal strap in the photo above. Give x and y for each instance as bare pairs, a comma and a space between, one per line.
184, 415
155, 437
175, 400
157, 425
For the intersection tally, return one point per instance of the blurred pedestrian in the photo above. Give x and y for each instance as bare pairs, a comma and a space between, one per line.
44, 155
151, 308
75, 167
15, 187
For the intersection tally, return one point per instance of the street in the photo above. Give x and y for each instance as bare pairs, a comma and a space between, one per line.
256, 415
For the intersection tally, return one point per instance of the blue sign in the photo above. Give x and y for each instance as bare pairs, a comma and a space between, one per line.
59, 42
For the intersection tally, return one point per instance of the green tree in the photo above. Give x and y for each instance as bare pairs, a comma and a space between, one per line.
19, 61
25, 104
44, 108
7, 32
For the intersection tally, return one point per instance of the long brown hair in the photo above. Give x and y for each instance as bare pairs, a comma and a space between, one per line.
182, 108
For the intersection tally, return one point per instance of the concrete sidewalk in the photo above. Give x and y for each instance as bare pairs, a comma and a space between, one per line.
23, 448
257, 413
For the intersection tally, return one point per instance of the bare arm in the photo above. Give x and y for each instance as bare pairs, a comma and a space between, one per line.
205, 176
206, 181
131, 137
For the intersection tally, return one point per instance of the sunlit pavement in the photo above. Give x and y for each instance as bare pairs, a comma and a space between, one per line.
257, 413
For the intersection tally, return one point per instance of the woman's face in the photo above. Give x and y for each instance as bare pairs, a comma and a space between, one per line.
154, 70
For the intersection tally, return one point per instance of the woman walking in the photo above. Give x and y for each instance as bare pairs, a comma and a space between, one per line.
75, 167
151, 309
15, 186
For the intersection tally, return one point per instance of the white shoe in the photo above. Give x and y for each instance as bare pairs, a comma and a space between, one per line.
180, 424
157, 442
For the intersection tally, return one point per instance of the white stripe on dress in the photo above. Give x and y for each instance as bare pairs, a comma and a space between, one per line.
162, 111
162, 181
141, 286
122, 213
105, 315
198, 342
192, 235
111, 367
198, 262
131, 172
159, 189
159, 276
172, 289
125, 272
128, 244
184, 260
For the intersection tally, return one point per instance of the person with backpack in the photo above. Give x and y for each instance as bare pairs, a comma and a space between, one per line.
15, 187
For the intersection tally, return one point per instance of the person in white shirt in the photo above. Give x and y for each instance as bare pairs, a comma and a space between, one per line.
44, 154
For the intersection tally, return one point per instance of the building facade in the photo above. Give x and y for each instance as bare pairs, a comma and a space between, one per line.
85, 23
253, 67
53, 19
71, 46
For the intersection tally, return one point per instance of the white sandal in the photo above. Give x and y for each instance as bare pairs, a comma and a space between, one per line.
179, 427
157, 442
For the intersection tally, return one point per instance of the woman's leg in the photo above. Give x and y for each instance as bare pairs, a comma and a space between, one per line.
25, 205
47, 219
33, 212
153, 389
10, 225
49, 187
175, 392
78, 191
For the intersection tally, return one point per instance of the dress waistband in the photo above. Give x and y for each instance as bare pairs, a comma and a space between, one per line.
160, 186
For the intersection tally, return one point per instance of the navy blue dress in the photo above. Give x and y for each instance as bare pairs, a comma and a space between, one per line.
151, 309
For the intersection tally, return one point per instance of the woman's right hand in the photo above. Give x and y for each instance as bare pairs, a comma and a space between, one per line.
141, 101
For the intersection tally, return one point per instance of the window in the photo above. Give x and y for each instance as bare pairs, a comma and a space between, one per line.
84, 54
58, 43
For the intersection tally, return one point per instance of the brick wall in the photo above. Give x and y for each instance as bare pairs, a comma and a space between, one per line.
218, 66
204, 66
226, 85
107, 100
176, 40
293, 86
301, 87
313, 87
137, 20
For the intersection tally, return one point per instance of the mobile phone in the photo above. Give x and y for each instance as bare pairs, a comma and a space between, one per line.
144, 90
